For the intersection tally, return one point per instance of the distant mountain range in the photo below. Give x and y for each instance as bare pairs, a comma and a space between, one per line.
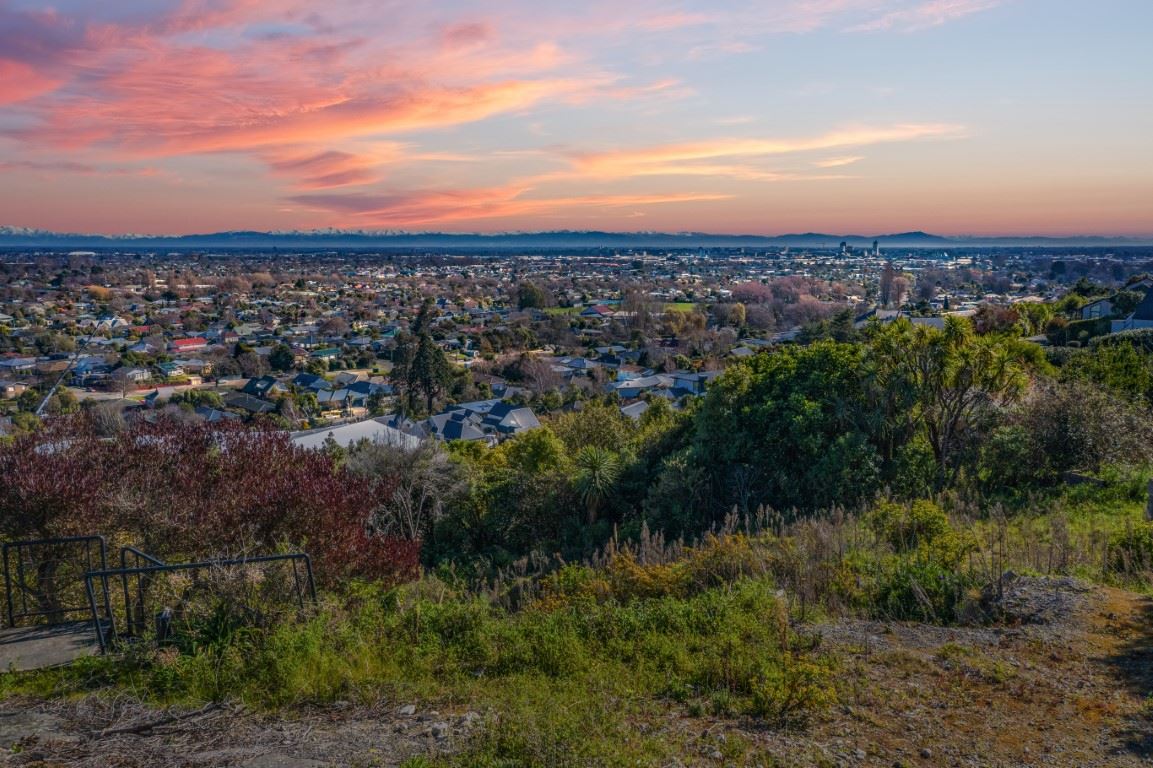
338, 238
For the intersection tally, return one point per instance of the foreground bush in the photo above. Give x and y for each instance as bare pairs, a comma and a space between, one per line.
720, 643
1131, 551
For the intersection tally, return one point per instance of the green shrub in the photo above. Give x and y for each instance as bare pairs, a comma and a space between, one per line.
1008, 460
906, 528
918, 588
792, 693
925, 580
915, 471
1131, 551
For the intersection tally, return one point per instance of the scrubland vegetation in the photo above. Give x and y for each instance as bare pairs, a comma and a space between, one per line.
588, 577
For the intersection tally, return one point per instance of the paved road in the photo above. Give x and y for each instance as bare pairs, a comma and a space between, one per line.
26, 648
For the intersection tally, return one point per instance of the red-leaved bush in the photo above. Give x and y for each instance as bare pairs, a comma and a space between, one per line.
196, 491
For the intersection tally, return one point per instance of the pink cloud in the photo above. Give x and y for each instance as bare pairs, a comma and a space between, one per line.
55, 167
325, 170
21, 82
311, 90
669, 21
433, 207
467, 34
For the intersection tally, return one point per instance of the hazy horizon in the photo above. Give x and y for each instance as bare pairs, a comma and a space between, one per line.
14, 230
964, 117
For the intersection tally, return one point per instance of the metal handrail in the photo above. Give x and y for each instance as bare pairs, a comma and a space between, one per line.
138, 623
11, 584
125, 551
123, 573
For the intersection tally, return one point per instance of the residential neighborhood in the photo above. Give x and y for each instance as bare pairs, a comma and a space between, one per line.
469, 347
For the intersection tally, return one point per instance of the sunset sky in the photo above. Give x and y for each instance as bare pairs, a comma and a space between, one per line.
758, 116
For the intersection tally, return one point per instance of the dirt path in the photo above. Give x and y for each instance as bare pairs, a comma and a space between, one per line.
1068, 687
1068, 691
104, 734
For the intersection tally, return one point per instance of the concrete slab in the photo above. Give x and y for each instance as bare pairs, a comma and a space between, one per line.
28, 648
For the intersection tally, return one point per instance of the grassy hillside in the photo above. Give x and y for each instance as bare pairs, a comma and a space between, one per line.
660, 653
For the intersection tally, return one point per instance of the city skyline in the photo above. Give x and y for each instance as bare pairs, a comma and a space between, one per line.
962, 117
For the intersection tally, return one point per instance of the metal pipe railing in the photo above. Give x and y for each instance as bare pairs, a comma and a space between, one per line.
298, 559
16, 584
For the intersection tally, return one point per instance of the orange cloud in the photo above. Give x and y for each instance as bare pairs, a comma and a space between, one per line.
838, 162
53, 167
310, 90
678, 159
148, 111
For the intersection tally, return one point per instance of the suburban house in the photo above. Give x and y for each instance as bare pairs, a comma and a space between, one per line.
597, 311
18, 365
246, 402
311, 381
170, 370
159, 395
11, 389
635, 410
347, 435
135, 375
1097, 309
488, 420
1142, 317
508, 419
193, 344
263, 387
457, 425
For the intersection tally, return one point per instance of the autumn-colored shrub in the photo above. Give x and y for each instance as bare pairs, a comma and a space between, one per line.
189, 492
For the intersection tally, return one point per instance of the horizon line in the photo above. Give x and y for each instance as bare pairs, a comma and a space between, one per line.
33, 232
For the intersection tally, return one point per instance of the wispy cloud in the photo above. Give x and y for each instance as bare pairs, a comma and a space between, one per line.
838, 162
467, 34
685, 159
441, 206
374, 110
57, 167
20, 82
326, 170
925, 15
676, 20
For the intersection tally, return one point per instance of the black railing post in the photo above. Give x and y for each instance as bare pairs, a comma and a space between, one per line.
20, 578
311, 581
8, 589
155, 566
96, 626
104, 580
